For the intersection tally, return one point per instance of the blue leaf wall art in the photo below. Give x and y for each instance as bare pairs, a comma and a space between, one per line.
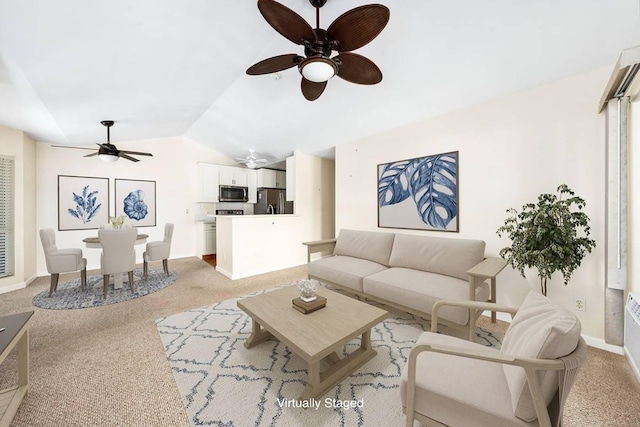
420, 193
83, 202
86, 207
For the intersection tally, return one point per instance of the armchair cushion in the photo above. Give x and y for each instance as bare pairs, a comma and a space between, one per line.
542, 330
454, 390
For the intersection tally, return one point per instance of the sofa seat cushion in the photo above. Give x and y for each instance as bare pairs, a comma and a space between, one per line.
540, 329
343, 270
369, 245
467, 392
419, 290
452, 257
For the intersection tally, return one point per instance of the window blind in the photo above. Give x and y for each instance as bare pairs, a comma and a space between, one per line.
7, 201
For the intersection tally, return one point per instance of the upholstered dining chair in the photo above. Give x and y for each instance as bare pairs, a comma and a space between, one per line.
61, 260
156, 251
452, 382
118, 254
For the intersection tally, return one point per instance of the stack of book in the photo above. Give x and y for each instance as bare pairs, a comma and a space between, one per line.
308, 307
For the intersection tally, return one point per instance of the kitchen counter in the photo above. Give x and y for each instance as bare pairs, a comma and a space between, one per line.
248, 245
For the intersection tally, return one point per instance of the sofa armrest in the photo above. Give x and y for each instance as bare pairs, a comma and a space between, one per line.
475, 305
319, 246
488, 268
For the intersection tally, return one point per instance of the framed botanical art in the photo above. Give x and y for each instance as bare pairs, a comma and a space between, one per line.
136, 200
420, 193
83, 202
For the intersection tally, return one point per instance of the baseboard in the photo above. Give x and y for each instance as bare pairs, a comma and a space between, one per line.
14, 287
632, 364
224, 272
591, 341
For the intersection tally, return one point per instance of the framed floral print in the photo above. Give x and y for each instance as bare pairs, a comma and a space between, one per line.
83, 202
136, 200
420, 193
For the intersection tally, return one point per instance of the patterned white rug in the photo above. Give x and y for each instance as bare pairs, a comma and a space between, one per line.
224, 384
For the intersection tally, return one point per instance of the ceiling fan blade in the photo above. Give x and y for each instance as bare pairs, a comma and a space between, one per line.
356, 68
91, 155
357, 27
69, 146
275, 64
137, 153
312, 90
124, 156
286, 22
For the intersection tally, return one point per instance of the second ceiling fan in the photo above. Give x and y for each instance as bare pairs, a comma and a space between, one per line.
350, 31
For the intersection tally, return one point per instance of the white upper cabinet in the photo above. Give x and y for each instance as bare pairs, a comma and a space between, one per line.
230, 175
208, 183
291, 179
281, 179
252, 181
271, 178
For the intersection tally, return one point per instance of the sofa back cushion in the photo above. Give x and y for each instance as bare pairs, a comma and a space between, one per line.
540, 329
369, 245
451, 257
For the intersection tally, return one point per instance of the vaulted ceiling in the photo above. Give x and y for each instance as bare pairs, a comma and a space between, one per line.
163, 68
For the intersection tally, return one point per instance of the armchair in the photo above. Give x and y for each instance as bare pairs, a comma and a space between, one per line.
61, 260
118, 254
449, 382
158, 251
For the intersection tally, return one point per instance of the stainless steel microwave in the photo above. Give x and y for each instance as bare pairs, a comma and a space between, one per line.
232, 193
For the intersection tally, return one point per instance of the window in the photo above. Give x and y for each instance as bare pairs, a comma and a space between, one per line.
7, 190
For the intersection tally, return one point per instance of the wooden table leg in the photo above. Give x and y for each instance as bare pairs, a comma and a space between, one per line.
493, 298
318, 383
257, 336
23, 360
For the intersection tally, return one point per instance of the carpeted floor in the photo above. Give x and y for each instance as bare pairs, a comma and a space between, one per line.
106, 366
261, 379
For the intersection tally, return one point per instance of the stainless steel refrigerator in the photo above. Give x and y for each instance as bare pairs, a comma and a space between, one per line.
272, 201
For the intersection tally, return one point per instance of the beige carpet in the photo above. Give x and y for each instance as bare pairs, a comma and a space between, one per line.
105, 366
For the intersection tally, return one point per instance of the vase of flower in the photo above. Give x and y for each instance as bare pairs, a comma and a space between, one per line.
118, 222
307, 288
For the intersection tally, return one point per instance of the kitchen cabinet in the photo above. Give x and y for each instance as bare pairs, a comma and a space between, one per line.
206, 238
252, 185
230, 175
281, 179
271, 178
208, 182
209, 238
291, 179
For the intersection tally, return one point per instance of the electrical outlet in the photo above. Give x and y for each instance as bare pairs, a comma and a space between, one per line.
579, 304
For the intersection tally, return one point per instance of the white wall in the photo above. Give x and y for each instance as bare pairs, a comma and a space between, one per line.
173, 167
15, 143
510, 150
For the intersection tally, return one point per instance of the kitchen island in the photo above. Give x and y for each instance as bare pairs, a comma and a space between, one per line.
248, 245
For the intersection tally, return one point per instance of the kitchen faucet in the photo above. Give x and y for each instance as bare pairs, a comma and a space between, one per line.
271, 210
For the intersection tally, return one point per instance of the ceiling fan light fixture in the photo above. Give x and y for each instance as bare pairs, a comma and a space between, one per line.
109, 158
251, 164
318, 69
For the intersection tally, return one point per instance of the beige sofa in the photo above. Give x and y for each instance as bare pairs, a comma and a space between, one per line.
409, 272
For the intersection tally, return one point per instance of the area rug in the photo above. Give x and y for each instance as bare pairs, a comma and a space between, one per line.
224, 384
69, 295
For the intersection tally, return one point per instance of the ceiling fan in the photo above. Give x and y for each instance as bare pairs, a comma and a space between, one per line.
350, 31
251, 160
107, 151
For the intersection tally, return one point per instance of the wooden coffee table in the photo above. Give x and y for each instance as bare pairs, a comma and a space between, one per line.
315, 336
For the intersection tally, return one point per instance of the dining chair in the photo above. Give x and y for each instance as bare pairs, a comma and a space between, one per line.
118, 254
61, 260
453, 382
160, 250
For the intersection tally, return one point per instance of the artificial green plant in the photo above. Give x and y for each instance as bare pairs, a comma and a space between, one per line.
552, 235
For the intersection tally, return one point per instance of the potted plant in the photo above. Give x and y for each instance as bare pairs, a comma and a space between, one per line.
551, 235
